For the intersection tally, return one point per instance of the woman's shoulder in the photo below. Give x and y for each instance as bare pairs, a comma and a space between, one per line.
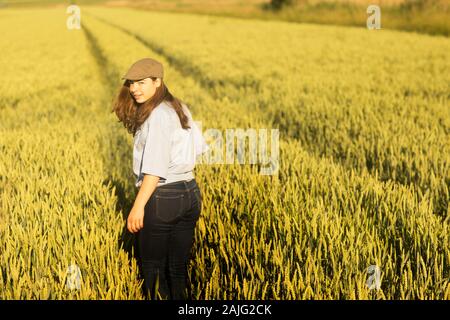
168, 109
158, 114
161, 110
164, 108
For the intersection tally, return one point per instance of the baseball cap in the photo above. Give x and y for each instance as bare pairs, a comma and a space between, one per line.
144, 68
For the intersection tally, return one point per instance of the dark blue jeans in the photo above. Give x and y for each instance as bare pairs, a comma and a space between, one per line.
165, 241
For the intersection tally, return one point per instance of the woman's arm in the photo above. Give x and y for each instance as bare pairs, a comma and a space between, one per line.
145, 191
135, 220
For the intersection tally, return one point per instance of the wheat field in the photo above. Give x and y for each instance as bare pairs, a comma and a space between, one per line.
364, 156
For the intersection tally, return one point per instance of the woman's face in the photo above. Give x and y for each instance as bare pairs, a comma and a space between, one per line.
144, 89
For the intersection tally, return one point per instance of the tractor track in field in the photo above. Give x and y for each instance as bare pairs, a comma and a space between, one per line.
124, 202
184, 67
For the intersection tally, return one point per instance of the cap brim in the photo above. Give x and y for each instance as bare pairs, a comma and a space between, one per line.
132, 78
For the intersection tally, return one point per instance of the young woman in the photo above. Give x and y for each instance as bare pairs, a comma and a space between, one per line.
169, 202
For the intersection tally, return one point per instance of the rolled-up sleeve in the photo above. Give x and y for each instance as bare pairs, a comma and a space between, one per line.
156, 156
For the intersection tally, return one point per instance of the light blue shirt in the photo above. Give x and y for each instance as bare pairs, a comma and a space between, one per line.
163, 148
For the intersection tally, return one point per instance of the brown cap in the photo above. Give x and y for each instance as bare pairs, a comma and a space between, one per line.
144, 68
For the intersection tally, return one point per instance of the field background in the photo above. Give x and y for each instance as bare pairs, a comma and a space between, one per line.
364, 172
423, 16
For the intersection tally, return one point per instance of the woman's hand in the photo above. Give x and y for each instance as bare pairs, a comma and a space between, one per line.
135, 220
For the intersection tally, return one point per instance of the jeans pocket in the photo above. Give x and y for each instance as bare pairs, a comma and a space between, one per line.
169, 207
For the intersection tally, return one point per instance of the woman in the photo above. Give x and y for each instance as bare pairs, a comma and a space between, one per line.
168, 203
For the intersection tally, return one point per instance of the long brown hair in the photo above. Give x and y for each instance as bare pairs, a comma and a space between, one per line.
133, 114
